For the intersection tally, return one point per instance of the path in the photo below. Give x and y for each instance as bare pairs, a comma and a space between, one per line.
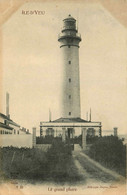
91, 171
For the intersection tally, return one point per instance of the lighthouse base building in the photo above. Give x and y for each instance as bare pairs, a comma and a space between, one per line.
69, 127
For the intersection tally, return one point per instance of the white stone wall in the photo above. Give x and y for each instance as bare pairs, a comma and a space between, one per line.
22, 132
16, 140
14, 127
5, 130
1, 120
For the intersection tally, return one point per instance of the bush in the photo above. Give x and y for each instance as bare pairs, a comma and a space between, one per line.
48, 139
111, 152
78, 140
91, 139
23, 163
33, 164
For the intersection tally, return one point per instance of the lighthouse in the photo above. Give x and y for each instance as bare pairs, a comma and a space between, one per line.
70, 123
69, 45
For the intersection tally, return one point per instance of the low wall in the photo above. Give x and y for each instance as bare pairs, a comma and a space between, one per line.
20, 140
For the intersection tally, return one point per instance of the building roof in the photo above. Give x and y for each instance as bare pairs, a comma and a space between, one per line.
69, 120
13, 123
4, 116
9, 120
5, 126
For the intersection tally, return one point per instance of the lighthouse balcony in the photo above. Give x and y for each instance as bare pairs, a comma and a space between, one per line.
69, 35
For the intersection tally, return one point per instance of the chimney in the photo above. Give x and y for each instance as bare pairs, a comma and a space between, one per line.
27, 131
7, 105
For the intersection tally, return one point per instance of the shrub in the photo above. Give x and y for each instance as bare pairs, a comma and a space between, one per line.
48, 139
111, 152
33, 164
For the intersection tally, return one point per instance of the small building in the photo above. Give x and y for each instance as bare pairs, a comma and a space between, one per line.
69, 127
11, 134
8, 126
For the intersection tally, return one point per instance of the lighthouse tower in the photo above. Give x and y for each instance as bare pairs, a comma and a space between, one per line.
69, 45
70, 123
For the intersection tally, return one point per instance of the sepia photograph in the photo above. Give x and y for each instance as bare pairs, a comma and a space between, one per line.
63, 91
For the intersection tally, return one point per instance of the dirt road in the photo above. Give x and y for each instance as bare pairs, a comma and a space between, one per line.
92, 172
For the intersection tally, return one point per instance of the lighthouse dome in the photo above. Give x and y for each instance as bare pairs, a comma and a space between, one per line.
69, 18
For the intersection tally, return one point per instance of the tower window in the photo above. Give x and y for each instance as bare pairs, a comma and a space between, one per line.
69, 113
69, 96
69, 62
69, 80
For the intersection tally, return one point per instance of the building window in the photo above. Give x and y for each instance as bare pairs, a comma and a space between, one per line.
50, 132
69, 96
69, 80
69, 113
91, 132
69, 62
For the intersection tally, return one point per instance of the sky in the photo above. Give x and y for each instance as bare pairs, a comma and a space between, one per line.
32, 64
